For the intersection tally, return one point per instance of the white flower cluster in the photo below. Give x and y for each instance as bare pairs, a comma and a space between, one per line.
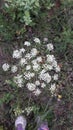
5, 66
37, 40
18, 80
34, 68
29, 109
14, 69
45, 77
19, 111
50, 46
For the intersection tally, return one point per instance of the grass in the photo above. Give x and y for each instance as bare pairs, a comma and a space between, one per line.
1, 127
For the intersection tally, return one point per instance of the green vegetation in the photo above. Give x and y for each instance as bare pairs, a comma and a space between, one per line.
22, 20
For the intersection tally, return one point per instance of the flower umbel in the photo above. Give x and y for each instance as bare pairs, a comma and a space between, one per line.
5, 66
36, 69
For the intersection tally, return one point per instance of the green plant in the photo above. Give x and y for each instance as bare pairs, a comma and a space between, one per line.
9, 29
67, 36
16, 15
22, 10
65, 39
29, 69
6, 98
1, 127
48, 4
25, 10
67, 3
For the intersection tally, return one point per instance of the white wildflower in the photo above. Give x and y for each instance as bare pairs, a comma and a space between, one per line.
31, 86
32, 74
54, 64
50, 58
37, 92
5, 67
14, 69
20, 85
50, 46
45, 39
34, 52
28, 67
37, 82
17, 111
22, 50
28, 56
43, 85
23, 62
53, 88
37, 40
17, 54
34, 62
27, 43
50, 67
57, 69
39, 59
42, 72
28, 75
45, 77
55, 77
36, 67
47, 67
18, 80
28, 110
